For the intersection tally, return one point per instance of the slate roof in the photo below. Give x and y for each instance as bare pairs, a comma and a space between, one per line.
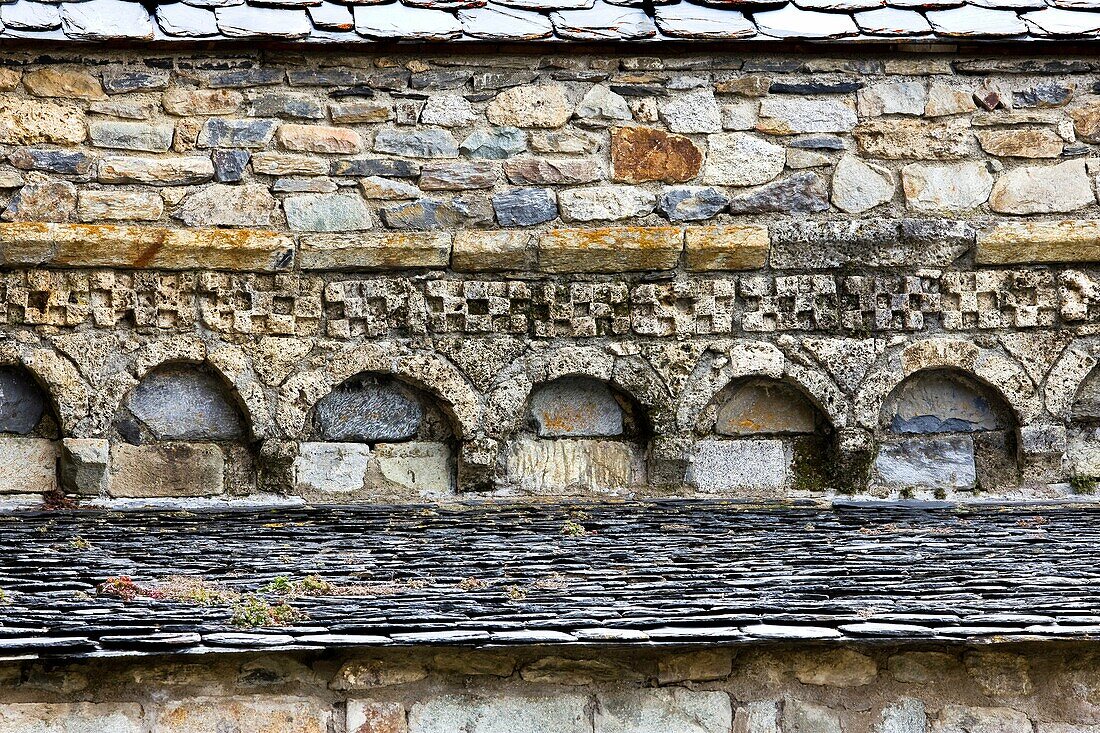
358, 21
640, 573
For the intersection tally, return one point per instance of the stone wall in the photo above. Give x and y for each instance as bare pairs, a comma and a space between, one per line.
778, 689
419, 275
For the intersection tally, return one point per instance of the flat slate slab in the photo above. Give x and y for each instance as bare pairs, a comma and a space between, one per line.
631, 573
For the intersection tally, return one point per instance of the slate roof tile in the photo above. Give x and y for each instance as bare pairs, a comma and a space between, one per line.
397, 21
892, 22
1059, 22
186, 21
501, 23
603, 22
32, 16
975, 22
687, 20
331, 17
106, 20
792, 22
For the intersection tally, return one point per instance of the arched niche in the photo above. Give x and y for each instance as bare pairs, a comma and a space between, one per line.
1083, 434
181, 432
580, 435
377, 436
761, 436
944, 430
29, 434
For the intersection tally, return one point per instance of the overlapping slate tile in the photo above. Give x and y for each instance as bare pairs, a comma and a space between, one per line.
246, 21
31, 16
501, 23
1059, 22
106, 20
397, 21
892, 22
445, 4
331, 17
839, 6
604, 22
688, 20
973, 22
548, 5
186, 21
793, 22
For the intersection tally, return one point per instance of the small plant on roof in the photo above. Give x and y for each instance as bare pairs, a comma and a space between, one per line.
120, 586
55, 499
310, 585
192, 589
573, 529
254, 612
80, 544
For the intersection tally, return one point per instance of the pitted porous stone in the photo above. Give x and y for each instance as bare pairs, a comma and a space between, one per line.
741, 159
79, 717
860, 186
1000, 674
367, 716
835, 668
22, 401
331, 468
576, 407
1050, 189
537, 105
759, 466
663, 709
368, 412
695, 112
166, 470
805, 717
251, 713
792, 116
936, 462
185, 403
946, 188
30, 122
907, 715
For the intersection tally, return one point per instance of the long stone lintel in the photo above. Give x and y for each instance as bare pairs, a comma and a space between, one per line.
1071, 240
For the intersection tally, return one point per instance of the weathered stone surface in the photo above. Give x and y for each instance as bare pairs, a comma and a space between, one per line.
223, 205
369, 673
182, 171
700, 666
895, 139
754, 466
1040, 241
756, 408
942, 462
229, 165
166, 469
426, 143
575, 672
22, 401
900, 242
920, 667
521, 207
428, 213
800, 193
319, 139
369, 412
42, 200
1043, 189
185, 403
741, 159
107, 205
835, 668
131, 136
331, 468
611, 249
103, 245
561, 711
663, 709
194, 102
283, 164
946, 188
326, 213
72, 163
228, 133
757, 717
792, 115
806, 717
458, 176
962, 719
550, 171
496, 143
601, 106
84, 464
999, 674
384, 189
488, 251
605, 203
734, 247
691, 203
375, 251
1086, 118
422, 467
257, 713
640, 154
860, 186
892, 98
907, 715
1021, 143
78, 717
367, 716
695, 112
447, 110
576, 407
539, 105
567, 465
937, 403
29, 466
65, 83
945, 100
355, 112
31, 122
289, 105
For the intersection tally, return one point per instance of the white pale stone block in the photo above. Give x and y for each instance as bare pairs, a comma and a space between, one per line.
574, 466
739, 465
423, 466
332, 468
28, 465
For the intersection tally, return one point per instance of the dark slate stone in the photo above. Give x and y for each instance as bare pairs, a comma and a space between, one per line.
801, 193
238, 78
387, 167
1007, 65
368, 412
640, 90
65, 162
588, 77
390, 80
440, 79
503, 79
818, 142
496, 143
436, 214
1051, 94
117, 81
524, 207
774, 66
844, 87
353, 91
22, 401
229, 164
327, 77
281, 104
185, 402
424, 143
691, 203
938, 403
219, 132
1075, 151
816, 245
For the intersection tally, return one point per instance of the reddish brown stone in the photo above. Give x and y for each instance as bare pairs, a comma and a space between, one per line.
640, 154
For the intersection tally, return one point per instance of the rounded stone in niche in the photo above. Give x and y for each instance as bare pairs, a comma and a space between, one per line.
185, 403
757, 408
940, 403
22, 402
368, 412
576, 407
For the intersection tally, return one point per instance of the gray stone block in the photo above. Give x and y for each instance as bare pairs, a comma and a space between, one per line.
662, 710
739, 465
22, 401
765, 408
938, 403
368, 412
577, 408
184, 402
937, 463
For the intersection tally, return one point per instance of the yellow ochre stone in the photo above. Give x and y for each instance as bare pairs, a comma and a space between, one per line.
358, 251
1070, 240
610, 249
735, 247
